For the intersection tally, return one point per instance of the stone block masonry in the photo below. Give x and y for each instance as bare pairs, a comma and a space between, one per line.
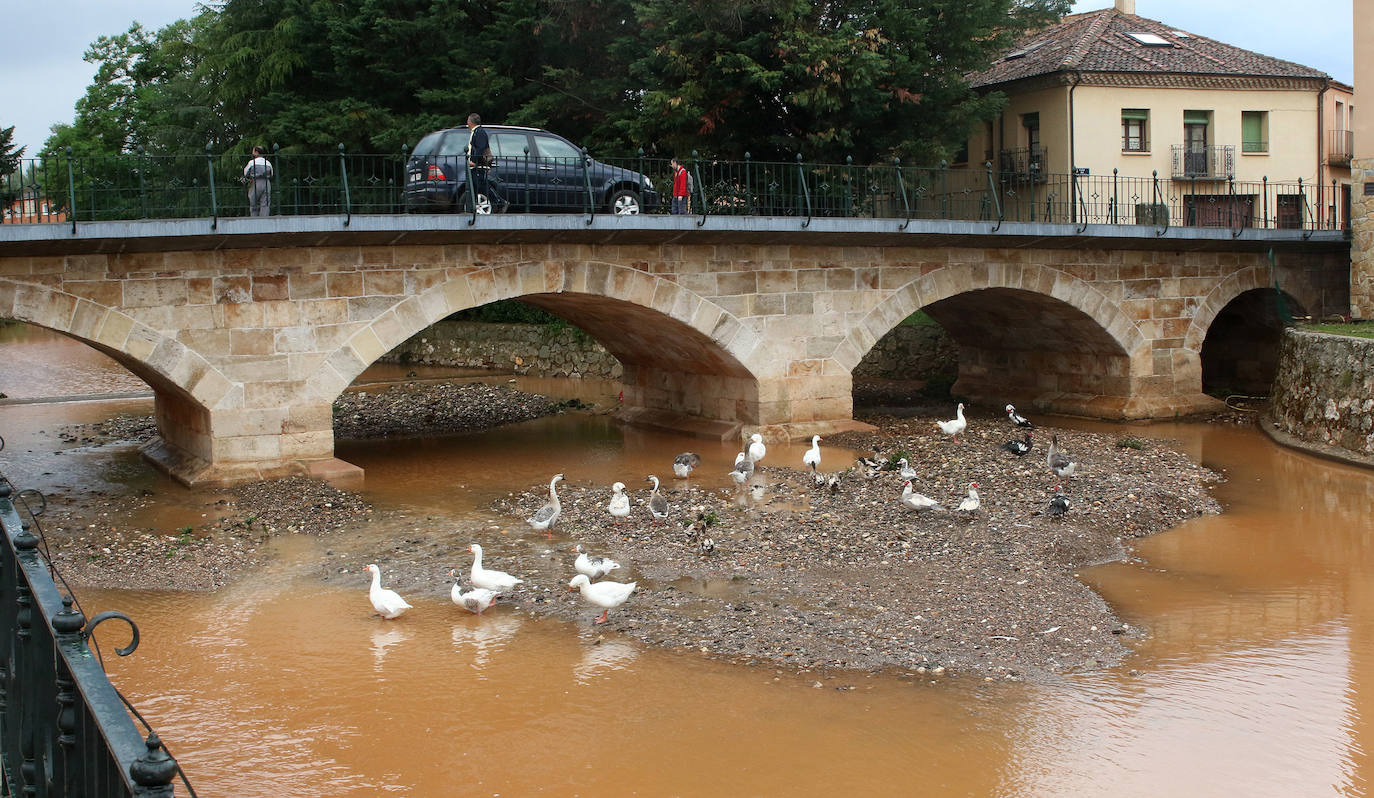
1324, 391
1362, 239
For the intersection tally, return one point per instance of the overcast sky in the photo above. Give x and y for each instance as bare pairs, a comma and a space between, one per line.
45, 76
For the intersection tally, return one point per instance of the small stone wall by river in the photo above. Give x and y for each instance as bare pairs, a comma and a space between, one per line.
1324, 390
915, 352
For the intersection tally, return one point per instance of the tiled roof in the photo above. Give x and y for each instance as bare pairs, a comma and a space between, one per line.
1098, 41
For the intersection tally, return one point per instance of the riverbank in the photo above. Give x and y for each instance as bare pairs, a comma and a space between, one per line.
800, 575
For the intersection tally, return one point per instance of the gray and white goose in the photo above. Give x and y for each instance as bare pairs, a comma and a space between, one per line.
658, 503
547, 515
1061, 464
744, 468
684, 463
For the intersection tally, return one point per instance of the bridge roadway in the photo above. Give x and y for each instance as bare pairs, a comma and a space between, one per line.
247, 329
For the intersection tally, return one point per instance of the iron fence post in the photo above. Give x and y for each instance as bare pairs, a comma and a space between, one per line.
1115, 201
901, 185
526, 168
1265, 188
701, 190
992, 192
1335, 205
142, 179
806, 192
848, 185
343, 175
748, 185
587, 183
153, 771
214, 201
1155, 196
944, 190
71, 190
467, 185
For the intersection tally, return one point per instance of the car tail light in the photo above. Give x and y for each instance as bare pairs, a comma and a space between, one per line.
435, 173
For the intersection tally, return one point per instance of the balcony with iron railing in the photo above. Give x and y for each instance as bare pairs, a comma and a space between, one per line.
1216, 162
1340, 147
1026, 164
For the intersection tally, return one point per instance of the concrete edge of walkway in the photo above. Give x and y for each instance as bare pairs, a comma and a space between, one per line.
1325, 451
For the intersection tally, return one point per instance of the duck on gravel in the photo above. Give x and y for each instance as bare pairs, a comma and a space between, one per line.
547, 515
904, 470
1060, 503
1019, 448
619, 505
658, 503
1018, 419
971, 503
1061, 464
593, 567
812, 457
603, 594
743, 470
916, 501
475, 600
955, 426
500, 581
684, 463
387, 603
756, 448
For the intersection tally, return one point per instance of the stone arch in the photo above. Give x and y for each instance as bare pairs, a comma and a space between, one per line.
1240, 353
166, 364
1232, 286
952, 281
682, 354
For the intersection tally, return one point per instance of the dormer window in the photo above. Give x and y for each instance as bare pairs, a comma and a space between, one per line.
1151, 39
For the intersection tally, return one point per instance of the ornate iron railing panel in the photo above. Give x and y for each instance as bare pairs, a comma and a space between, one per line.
64, 729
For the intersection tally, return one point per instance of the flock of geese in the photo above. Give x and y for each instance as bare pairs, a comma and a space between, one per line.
488, 584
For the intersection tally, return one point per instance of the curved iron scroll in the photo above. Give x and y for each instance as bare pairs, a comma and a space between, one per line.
105, 616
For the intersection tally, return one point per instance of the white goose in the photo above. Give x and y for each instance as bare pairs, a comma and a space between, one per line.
904, 470
971, 503
743, 470
684, 463
545, 516
619, 505
593, 567
499, 581
658, 503
475, 600
756, 448
916, 501
603, 594
955, 426
812, 457
1061, 464
387, 603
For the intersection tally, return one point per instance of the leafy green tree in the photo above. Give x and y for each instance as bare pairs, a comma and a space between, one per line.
871, 79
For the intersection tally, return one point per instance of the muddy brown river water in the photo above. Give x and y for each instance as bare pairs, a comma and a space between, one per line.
1257, 677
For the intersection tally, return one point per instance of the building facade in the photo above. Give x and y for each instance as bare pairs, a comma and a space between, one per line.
1229, 133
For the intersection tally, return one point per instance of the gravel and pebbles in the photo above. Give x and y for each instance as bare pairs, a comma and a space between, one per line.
800, 575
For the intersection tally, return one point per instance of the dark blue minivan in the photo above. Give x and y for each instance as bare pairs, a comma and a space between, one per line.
535, 170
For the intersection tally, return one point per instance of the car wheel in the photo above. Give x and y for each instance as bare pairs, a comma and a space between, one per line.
625, 203
483, 204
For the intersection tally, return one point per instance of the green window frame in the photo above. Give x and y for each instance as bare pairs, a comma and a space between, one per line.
1254, 128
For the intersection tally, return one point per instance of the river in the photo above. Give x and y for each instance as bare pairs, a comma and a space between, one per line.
1256, 679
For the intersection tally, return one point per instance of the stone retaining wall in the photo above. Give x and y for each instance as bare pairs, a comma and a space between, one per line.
535, 349
1324, 390
911, 352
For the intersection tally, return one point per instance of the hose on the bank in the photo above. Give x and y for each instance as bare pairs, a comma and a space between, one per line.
1230, 406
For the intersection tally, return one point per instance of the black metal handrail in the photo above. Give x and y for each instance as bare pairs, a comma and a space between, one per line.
1014, 188
64, 729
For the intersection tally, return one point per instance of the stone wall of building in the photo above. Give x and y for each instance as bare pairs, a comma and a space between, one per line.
1324, 390
1361, 240
909, 352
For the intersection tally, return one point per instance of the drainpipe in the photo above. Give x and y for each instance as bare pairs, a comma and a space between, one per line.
1073, 160
1321, 145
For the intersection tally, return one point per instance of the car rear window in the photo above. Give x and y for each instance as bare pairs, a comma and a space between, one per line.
455, 143
427, 144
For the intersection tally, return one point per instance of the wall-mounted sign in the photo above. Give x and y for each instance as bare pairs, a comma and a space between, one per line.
1080, 170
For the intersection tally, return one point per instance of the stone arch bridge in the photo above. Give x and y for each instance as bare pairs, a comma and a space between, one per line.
247, 330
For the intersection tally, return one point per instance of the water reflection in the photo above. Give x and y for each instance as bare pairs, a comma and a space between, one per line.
602, 657
483, 637
384, 637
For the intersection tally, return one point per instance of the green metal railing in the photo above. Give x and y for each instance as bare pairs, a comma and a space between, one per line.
138, 186
64, 729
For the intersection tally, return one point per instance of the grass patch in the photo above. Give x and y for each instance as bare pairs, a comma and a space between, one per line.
1358, 329
1130, 443
919, 319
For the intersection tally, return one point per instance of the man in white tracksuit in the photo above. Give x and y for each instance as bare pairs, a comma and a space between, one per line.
258, 173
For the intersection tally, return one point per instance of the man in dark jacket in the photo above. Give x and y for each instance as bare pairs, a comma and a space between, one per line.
479, 148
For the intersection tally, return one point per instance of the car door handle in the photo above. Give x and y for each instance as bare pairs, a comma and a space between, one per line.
546, 168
